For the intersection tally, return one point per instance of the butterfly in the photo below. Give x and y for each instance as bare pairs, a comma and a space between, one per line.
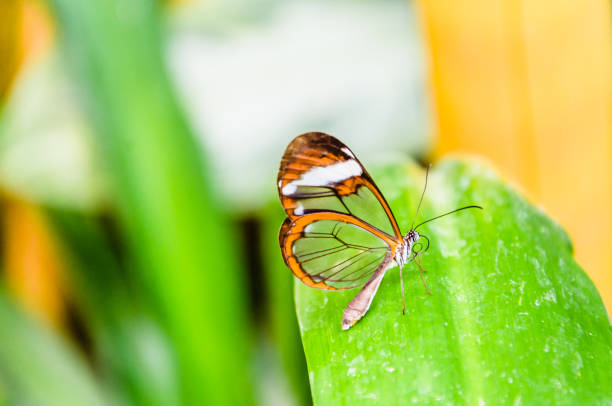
340, 232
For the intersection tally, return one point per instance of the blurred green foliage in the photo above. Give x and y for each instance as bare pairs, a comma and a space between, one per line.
35, 365
281, 306
135, 353
182, 249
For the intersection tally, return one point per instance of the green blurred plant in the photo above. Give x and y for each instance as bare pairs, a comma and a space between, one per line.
183, 250
39, 368
281, 307
134, 356
513, 318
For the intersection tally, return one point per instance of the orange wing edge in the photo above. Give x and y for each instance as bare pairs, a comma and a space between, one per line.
291, 231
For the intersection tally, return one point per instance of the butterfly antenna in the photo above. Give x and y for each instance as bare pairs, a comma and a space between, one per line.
450, 212
422, 194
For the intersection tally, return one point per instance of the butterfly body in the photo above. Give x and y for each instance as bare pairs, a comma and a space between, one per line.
339, 232
404, 249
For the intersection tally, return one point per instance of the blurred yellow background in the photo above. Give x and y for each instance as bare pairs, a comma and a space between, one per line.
529, 85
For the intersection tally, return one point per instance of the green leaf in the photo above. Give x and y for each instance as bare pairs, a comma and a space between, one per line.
512, 320
183, 248
129, 344
38, 367
281, 307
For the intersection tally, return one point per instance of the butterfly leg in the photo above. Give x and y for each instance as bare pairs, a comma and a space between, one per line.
421, 270
361, 302
402, 284
402, 287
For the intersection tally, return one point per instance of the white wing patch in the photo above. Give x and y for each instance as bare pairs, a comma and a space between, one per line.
299, 210
325, 175
347, 152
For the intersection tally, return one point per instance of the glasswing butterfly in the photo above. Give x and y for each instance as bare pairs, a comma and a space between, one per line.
340, 232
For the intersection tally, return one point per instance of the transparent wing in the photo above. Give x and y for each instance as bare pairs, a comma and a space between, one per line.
320, 173
329, 250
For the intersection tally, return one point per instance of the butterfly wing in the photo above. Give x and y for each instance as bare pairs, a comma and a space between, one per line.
339, 228
331, 250
320, 173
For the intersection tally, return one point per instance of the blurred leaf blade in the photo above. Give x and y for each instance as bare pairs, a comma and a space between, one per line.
129, 346
281, 307
38, 367
182, 246
513, 317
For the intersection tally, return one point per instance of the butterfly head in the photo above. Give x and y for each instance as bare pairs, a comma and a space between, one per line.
411, 237
413, 243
